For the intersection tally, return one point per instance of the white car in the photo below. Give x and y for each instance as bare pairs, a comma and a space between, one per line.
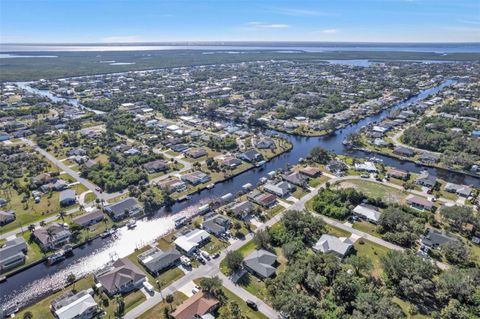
185, 261
148, 287
205, 254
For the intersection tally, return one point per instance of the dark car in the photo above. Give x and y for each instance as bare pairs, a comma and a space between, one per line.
252, 305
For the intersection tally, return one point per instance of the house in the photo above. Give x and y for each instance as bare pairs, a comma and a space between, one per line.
173, 185
156, 260
59, 185
79, 305
242, 209
366, 167
196, 178
426, 179
124, 208
429, 158
336, 166
296, 179
197, 306
265, 143
281, 189
396, 173
367, 212
265, 200
12, 254
189, 242
403, 151
460, 190
340, 246
67, 197
88, 219
121, 277
419, 202
156, 166
216, 225
311, 171
52, 236
179, 147
251, 156
196, 152
231, 162
435, 238
261, 263
7, 217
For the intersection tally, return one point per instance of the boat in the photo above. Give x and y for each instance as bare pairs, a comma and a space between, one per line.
56, 257
260, 163
181, 199
131, 224
210, 186
68, 250
376, 159
203, 209
108, 233
180, 221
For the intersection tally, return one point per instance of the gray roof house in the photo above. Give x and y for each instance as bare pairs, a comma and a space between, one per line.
296, 179
53, 236
75, 306
88, 219
67, 197
7, 217
250, 156
122, 277
261, 263
281, 189
124, 208
156, 166
156, 260
217, 224
368, 212
426, 179
435, 238
242, 209
12, 254
461, 190
331, 244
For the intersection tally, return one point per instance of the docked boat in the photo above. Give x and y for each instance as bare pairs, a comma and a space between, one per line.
131, 224
181, 199
56, 257
108, 233
180, 221
210, 186
260, 163
204, 209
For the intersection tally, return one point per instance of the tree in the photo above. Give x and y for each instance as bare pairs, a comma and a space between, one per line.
230, 311
28, 315
455, 252
211, 285
454, 310
320, 155
169, 299
234, 260
120, 305
262, 239
71, 280
359, 263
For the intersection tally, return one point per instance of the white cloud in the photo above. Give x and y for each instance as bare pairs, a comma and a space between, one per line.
121, 39
298, 12
262, 25
329, 31
476, 22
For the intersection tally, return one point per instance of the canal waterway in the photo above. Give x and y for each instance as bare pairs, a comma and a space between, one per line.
38, 281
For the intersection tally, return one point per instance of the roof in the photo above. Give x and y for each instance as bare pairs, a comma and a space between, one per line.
12, 247
84, 219
197, 305
120, 207
192, 239
435, 238
67, 194
122, 271
329, 243
412, 199
73, 306
155, 260
369, 212
261, 262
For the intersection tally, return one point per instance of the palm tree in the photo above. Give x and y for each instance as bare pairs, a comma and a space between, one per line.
31, 227
169, 299
62, 215
120, 305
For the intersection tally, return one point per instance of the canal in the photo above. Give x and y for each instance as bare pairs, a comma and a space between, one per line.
40, 280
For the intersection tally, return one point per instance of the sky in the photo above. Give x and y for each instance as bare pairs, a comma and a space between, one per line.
115, 21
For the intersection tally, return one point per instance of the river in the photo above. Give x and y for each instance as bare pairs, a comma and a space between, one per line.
39, 280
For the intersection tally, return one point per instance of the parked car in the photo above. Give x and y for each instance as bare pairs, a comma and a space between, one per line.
185, 261
216, 255
205, 254
148, 287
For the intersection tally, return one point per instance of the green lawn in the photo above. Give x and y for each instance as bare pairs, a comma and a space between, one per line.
332, 230
158, 312
215, 245
90, 197
314, 182
247, 311
376, 190
299, 193
373, 252
366, 227
406, 309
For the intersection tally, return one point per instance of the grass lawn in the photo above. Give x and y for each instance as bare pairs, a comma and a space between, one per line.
133, 299
332, 230
247, 311
314, 182
373, 252
366, 227
215, 245
169, 276
299, 193
405, 308
118, 198
90, 197
376, 190
255, 286
157, 312
166, 242
272, 212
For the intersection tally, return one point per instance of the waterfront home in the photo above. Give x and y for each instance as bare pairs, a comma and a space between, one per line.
121, 277
231, 162
200, 305
281, 189
297, 179
52, 236
419, 202
196, 178
366, 167
426, 179
156, 166
435, 238
67, 197
216, 224
261, 263
12, 254
173, 185
242, 209
396, 173
336, 166
251, 156
155, 260
124, 208
265, 200
179, 147
265, 143
403, 151
195, 152
460, 190
88, 219
79, 305
7, 217
330, 244
429, 158
310, 171
367, 212
191, 241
